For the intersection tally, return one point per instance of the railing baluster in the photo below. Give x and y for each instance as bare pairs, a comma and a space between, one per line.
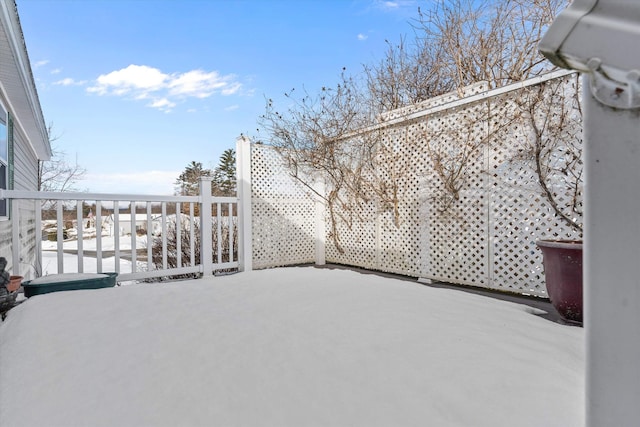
15, 236
192, 240
60, 236
116, 234
230, 212
38, 266
134, 234
219, 230
178, 236
79, 235
98, 236
164, 235
149, 238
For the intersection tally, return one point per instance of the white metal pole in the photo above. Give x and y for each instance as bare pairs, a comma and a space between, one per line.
602, 39
612, 263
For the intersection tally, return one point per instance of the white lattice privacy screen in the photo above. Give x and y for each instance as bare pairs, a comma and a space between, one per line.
483, 233
283, 213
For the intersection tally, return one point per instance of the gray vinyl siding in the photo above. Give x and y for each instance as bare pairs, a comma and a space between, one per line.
5, 242
25, 163
25, 177
5, 226
19, 96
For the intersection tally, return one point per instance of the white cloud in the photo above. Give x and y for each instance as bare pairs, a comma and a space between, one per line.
134, 78
69, 82
162, 104
144, 82
362, 36
231, 89
65, 82
56, 71
232, 107
392, 5
39, 64
197, 83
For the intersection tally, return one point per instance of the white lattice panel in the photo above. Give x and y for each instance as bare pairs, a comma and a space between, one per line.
385, 236
283, 213
357, 239
437, 101
457, 250
399, 226
520, 214
399, 245
483, 234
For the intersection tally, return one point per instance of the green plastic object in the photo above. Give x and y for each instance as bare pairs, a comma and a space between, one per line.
68, 282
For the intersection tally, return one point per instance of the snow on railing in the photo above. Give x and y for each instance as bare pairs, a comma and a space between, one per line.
169, 238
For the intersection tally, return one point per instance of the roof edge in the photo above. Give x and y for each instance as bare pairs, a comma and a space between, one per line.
34, 127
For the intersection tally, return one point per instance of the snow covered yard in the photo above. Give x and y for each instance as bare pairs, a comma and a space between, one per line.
286, 347
90, 263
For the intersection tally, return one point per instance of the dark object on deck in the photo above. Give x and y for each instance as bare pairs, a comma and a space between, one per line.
9, 286
562, 261
68, 282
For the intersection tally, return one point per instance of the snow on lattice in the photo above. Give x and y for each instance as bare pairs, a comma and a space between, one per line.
483, 234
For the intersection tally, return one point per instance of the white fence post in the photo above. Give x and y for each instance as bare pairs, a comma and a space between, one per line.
245, 232
206, 242
320, 225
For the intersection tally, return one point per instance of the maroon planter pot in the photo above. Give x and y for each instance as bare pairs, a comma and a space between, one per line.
563, 276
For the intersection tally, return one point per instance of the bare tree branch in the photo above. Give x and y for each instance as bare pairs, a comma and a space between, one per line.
58, 174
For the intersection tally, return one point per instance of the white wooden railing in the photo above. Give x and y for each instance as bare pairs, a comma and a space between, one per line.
210, 226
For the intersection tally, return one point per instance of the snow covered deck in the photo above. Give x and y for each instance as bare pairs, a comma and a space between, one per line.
287, 347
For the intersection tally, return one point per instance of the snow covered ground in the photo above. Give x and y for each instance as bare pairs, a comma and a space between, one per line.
90, 264
286, 347
90, 244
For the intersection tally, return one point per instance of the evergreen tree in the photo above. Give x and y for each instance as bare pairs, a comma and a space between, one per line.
224, 176
187, 183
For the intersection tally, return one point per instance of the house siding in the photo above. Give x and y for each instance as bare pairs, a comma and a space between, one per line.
25, 163
25, 177
5, 226
29, 141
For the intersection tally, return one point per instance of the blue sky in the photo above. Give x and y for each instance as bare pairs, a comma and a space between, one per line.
137, 89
